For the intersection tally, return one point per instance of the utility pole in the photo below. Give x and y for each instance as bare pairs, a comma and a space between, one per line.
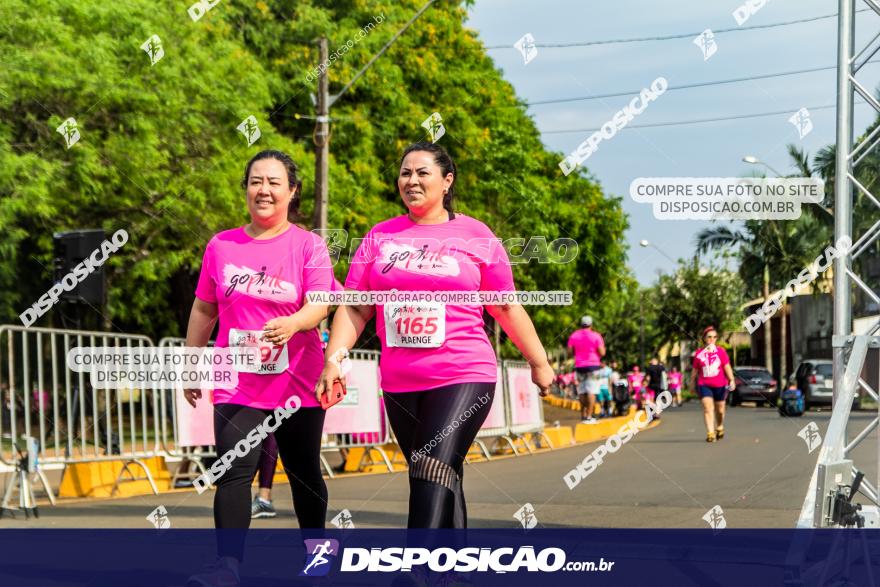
323, 102
322, 142
768, 326
641, 332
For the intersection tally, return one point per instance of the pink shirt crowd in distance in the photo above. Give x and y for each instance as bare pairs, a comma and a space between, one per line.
459, 255
709, 363
635, 380
586, 343
674, 380
253, 281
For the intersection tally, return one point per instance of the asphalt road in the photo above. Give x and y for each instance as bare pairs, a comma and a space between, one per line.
665, 477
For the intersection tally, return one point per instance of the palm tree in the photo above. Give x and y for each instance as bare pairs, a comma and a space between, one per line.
797, 244
786, 245
823, 167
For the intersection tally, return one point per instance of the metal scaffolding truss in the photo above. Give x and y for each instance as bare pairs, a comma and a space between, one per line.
836, 478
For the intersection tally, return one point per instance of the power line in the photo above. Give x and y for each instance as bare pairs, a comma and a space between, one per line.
698, 120
676, 36
685, 86
695, 121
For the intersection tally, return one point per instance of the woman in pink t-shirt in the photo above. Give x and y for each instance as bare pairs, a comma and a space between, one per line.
254, 279
438, 368
712, 378
674, 379
636, 381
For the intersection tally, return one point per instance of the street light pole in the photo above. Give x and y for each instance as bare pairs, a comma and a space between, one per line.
644, 243
322, 142
752, 160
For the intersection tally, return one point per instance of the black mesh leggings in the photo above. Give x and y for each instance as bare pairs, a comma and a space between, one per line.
435, 430
299, 445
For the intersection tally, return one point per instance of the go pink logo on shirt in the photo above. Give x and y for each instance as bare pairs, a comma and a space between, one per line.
257, 284
422, 261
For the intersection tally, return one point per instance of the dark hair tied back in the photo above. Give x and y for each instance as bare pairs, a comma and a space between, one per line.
293, 180
443, 160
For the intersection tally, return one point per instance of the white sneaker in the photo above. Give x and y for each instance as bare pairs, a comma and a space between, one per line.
589, 421
222, 572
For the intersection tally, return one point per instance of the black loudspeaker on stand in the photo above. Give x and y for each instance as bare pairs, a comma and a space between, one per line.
71, 248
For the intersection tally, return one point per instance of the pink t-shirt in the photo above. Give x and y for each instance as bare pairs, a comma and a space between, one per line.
710, 366
586, 343
459, 255
635, 380
253, 281
674, 380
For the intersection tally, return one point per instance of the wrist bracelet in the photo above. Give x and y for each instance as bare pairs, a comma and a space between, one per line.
341, 360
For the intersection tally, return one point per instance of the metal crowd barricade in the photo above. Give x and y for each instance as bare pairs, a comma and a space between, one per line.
74, 423
195, 455
368, 441
525, 410
492, 428
559, 359
187, 454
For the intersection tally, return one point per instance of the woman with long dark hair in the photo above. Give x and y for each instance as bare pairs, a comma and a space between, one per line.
438, 368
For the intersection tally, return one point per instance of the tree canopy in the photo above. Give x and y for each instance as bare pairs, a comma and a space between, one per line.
694, 297
159, 153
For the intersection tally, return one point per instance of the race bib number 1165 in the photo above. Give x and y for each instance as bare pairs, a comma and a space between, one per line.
421, 325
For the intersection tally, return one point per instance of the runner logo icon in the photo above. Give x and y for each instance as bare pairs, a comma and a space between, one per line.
320, 553
706, 43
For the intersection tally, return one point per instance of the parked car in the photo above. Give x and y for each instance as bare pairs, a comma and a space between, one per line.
753, 384
814, 377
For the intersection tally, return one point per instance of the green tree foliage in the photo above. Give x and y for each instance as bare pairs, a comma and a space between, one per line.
692, 298
620, 319
160, 155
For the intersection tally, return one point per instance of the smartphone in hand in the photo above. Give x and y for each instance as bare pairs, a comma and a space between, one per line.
334, 395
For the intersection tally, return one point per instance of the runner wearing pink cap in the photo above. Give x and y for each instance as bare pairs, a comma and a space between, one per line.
712, 378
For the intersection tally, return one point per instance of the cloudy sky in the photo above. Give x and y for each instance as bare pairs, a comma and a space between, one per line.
710, 149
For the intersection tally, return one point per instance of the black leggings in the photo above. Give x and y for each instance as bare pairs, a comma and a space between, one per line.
299, 444
435, 430
268, 461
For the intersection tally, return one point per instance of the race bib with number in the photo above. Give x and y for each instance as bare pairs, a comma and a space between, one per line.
273, 357
711, 365
421, 325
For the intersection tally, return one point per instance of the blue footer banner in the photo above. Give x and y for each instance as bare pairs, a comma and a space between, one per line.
749, 558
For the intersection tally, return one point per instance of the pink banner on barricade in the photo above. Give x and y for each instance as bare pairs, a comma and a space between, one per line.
195, 426
495, 419
523, 395
360, 411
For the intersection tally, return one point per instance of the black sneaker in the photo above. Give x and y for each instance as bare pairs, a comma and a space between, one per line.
262, 509
220, 573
